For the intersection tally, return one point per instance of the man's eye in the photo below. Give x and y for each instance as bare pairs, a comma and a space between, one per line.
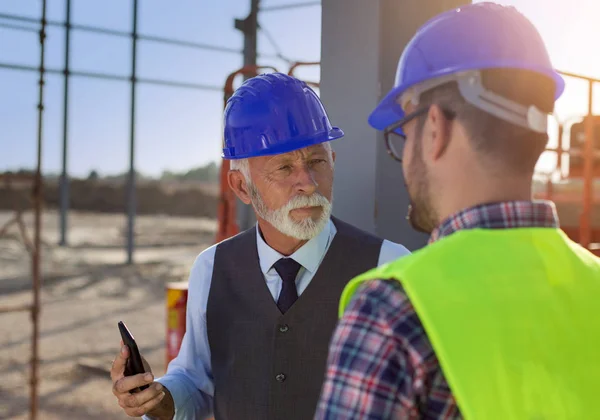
285, 168
316, 161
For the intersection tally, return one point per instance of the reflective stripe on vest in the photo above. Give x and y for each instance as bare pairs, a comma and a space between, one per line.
513, 317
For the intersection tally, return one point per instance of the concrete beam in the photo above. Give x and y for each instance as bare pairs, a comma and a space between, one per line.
360, 47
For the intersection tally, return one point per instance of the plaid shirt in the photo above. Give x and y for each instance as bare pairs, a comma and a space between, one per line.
381, 364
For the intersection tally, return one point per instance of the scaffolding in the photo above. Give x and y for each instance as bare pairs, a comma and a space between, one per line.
23, 23
16, 22
33, 247
584, 234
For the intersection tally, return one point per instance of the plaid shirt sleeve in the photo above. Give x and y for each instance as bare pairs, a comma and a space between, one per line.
381, 365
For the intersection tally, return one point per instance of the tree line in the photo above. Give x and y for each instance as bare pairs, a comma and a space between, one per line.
206, 173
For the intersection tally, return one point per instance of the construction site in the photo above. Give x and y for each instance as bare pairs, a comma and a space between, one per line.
78, 254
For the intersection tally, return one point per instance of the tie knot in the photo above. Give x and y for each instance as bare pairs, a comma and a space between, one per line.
287, 269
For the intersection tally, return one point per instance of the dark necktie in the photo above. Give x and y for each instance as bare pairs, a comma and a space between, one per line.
287, 269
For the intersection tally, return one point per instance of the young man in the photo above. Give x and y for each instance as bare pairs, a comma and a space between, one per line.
496, 318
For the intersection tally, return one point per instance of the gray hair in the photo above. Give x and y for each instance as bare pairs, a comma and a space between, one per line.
243, 165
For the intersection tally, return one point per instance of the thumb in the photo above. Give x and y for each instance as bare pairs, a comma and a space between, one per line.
117, 370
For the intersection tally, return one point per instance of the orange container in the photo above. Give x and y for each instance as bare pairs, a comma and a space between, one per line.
176, 297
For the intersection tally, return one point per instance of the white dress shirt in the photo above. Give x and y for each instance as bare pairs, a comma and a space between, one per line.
189, 375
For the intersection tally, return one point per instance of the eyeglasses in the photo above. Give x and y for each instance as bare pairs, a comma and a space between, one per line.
394, 141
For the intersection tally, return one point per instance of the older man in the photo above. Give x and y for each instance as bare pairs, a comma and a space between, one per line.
497, 317
263, 304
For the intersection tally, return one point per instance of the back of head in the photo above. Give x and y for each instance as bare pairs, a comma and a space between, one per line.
487, 64
501, 145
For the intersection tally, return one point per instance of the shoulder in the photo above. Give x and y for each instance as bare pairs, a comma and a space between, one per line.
387, 303
201, 273
391, 251
238, 242
205, 259
387, 298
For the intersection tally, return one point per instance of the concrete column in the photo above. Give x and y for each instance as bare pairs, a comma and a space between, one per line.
360, 47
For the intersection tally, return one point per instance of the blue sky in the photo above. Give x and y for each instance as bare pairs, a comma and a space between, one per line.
177, 128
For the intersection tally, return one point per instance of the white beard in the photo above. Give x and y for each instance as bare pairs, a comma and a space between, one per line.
281, 219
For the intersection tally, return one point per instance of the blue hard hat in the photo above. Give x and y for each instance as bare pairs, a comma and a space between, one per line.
274, 113
473, 37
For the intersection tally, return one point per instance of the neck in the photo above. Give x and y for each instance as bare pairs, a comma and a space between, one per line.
285, 245
491, 191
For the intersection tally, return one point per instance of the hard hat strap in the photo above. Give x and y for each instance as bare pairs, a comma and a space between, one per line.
472, 90
530, 117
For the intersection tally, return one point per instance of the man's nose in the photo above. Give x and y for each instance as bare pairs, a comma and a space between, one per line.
305, 180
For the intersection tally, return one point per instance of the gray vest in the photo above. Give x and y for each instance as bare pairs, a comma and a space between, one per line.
269, 366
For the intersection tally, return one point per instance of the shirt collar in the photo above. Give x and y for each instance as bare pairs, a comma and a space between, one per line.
308, 255
501, 215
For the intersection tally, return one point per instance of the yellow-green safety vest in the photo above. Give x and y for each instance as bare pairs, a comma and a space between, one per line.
513, 316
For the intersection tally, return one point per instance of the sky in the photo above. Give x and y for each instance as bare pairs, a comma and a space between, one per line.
177, 128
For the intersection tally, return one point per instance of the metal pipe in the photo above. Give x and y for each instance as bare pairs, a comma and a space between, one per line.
249, 27
36, 254
113, 32
56, 23
588, 161
579, 76
115, 77
64, 178
297, 64
290, 6
189, 44
560, 149
18, 27
131, 207
550, 188
186, 85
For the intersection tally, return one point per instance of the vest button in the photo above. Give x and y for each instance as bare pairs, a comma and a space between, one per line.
280, 377
283, 328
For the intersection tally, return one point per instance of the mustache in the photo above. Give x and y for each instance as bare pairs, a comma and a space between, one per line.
314, 200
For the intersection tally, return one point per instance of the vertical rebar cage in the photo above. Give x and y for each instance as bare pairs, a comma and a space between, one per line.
585, 233
23, 23
34, 248
17, 22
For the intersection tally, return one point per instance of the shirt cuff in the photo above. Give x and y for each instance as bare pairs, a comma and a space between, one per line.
189, 402
179, 392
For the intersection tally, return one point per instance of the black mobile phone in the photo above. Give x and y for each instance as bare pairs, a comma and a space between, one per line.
134, 361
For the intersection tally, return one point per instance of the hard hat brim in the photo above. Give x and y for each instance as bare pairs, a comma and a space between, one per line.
389, 111
334, 133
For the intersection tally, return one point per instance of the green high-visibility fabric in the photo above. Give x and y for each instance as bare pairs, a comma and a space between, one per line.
513, 317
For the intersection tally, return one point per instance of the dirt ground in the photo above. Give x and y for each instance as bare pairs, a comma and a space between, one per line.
87, 289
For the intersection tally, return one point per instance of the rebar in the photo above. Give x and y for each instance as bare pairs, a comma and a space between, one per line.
131, 206
37, 204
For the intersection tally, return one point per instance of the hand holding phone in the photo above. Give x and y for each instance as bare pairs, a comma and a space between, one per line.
135, 365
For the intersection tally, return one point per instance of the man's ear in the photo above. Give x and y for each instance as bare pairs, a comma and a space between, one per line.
438, 133
333, 156
237, 182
